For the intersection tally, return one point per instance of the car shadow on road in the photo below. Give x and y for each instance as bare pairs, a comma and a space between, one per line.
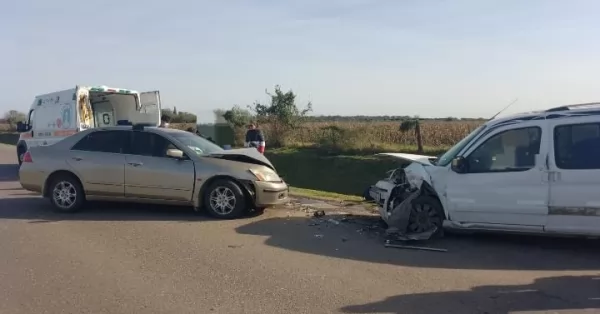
39, 210
9, 172
347, 240
545, 294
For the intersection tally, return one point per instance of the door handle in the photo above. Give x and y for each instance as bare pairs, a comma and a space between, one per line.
77, 158
135, 164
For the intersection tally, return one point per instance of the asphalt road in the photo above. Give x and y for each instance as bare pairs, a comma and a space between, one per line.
116, 258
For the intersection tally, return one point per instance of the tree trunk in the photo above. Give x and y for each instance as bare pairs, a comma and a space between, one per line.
419, 139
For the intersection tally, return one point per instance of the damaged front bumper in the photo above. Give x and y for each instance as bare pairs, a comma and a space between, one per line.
395, 194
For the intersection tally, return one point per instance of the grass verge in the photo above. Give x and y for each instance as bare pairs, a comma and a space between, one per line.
324, 195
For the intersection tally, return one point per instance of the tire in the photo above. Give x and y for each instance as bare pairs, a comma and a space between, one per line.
20, 152
224, 199
425, 213
66, 194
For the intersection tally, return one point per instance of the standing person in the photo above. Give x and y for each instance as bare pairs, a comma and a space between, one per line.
255, 138
164, 122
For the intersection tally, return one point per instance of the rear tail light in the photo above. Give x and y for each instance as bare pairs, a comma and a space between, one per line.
27, 157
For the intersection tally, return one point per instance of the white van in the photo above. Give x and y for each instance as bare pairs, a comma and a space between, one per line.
530, 173
57, 115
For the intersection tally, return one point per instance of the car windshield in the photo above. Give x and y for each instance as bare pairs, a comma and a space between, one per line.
196, 143
447, 157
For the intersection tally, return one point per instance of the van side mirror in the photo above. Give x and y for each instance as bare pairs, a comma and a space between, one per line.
22, 127
460, 165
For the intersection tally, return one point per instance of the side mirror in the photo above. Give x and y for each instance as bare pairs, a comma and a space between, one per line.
175, 153
22, 127
459, 165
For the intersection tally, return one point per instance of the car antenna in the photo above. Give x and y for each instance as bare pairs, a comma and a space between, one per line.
499, 112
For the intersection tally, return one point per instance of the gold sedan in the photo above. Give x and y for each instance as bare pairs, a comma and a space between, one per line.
151, 165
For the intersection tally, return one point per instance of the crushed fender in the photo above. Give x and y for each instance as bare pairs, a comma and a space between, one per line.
399, 215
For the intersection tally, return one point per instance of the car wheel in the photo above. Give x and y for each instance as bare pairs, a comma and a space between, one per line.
20, 153
426, 212
66, 194
224, 199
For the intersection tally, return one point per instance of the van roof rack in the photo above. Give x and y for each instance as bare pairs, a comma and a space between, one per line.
576, 106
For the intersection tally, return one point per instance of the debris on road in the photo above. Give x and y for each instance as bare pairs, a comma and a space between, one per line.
412, 247
319, 213
319, 236
333, 221
421, 236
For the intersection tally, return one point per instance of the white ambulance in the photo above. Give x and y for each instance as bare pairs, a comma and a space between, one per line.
57, 115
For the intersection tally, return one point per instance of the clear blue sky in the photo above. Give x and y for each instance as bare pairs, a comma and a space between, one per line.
397, 57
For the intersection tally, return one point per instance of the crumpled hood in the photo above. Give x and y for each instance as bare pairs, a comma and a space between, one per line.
245, 153
421, 159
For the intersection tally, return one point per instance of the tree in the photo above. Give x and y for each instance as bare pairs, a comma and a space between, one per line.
237, 116
282, 114
413, 124
14, 116
167, 113
180, 117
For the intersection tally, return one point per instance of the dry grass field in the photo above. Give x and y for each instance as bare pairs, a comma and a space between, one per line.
374, 136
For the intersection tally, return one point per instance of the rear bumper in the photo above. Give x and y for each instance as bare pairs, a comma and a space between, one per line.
31, 179
270, 193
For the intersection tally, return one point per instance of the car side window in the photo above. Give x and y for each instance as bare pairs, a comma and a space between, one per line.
102, 141
150, 144
511, 150
576, 146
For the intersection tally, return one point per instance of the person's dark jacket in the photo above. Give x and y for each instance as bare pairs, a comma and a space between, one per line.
255, 138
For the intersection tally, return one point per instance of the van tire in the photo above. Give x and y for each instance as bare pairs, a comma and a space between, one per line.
426, 212
66, 193
226, 189
21, 150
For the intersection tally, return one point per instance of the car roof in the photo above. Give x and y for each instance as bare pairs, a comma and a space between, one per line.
131, 128
579, 110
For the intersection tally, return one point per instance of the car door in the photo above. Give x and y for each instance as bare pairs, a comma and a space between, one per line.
150, 174
574, 165
98, 160
505, 181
